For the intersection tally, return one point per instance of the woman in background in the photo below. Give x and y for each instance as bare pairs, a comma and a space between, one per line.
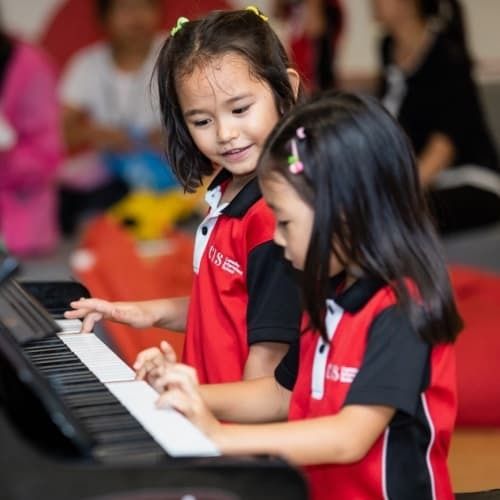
110, 119
427, 83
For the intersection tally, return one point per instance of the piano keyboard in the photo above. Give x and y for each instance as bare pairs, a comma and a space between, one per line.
116, 410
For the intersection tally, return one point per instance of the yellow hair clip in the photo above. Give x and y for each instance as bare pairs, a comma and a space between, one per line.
180, 23
257, 12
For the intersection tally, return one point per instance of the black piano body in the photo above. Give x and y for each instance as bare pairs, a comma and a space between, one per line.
41, 459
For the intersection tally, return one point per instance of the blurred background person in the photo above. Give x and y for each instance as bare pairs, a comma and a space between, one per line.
427, 83
314, 29
110, 125
30, 148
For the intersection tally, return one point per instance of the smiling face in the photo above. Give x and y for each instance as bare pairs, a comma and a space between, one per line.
228, 112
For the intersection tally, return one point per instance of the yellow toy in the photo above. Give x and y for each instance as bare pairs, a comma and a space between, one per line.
149, 215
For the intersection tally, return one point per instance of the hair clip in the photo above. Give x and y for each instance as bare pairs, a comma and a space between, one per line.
180, 23
257, 12
295, 166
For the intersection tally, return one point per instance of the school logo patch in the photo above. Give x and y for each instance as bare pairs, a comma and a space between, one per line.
342, 374
225, 263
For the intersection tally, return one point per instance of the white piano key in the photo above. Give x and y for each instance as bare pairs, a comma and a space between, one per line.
69, 325
171, 430
98, 357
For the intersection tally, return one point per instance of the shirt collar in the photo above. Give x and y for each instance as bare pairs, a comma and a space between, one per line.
357, 295
248, 195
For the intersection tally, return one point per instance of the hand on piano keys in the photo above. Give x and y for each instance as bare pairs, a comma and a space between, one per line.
178, 385
168, 427
151, 364
92, 310
182, 393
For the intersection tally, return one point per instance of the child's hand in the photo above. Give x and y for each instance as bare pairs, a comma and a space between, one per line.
93, 310
182, 393
152, 363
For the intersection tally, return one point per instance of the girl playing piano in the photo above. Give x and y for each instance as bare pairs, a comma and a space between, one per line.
370, 391
223, 82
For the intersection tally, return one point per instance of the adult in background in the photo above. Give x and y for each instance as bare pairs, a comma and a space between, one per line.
427, 83
108, 109
314, 29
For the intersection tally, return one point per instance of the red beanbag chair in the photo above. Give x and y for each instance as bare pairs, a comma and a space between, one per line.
478, 346
110, 265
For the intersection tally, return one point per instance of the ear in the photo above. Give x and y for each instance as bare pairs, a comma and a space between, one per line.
294, 79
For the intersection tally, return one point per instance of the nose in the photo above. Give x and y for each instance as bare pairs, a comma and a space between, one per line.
226, 131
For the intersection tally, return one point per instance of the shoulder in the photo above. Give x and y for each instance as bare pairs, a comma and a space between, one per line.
259, 223
446, 55
92, 57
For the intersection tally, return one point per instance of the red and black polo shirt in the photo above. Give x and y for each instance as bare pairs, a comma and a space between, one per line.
375, 357
243, 291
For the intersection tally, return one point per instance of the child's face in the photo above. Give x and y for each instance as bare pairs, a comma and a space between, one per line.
294, 222
294, 219
228, 112
133, 22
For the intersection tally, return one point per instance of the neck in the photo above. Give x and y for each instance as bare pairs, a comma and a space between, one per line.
130, 58
235, 186
411, 36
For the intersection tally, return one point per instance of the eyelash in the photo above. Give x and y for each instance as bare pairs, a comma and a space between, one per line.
201, 123
237, 111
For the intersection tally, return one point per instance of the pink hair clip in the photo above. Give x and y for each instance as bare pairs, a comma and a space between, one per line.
295, 166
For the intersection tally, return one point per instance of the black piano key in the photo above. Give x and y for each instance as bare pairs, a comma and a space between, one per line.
110, 410
114, 430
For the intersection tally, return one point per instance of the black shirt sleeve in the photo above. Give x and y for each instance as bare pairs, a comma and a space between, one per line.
395, 367
286, 372
274, 311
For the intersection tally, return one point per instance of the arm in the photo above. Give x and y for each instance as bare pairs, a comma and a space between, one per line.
250, 401
235, 401
163, 313
80, 131
437, 155
263, 358
273, 311
342, 438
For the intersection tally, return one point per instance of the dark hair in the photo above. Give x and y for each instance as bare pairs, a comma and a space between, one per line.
449, 15
103, 8
196, 44
360, 179
6, 50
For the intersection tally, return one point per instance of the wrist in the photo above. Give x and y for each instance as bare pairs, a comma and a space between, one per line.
218, 434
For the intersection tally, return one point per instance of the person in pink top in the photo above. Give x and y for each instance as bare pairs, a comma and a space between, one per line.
30, 148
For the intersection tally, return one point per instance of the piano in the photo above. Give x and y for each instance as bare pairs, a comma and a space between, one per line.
75, 425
